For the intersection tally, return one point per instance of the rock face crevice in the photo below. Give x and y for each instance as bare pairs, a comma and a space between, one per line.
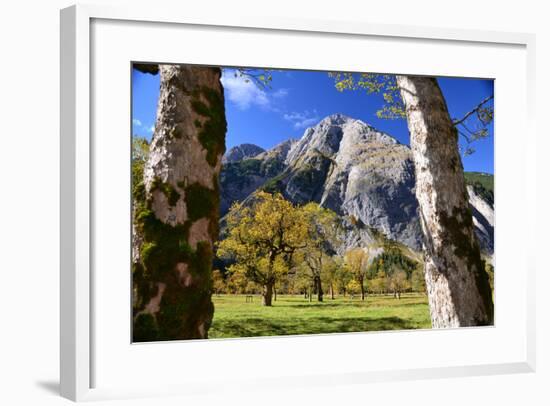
176, 223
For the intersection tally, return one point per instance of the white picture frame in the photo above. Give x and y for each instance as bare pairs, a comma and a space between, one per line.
78, 347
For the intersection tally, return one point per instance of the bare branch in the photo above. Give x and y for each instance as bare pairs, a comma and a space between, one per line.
474, 110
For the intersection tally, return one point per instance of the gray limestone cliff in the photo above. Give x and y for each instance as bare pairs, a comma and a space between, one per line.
346, 165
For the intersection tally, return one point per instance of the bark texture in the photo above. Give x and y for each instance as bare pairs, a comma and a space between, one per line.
176, 223
458, 287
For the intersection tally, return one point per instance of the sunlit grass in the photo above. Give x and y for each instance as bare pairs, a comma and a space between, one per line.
233, 317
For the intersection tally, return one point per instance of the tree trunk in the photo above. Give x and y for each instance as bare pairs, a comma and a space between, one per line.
458, 288
176, 222
267, 294
362, 289
274, 294
319, 289
331, 291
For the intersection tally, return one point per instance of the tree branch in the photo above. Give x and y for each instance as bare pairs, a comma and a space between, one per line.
468, 114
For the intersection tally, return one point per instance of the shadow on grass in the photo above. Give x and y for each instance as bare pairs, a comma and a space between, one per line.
251, 327
360, 304
320, 304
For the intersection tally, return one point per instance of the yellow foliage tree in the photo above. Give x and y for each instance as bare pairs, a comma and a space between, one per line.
322, 237
357, 260
399, 283
379, 284
262, 238
330, 273
353, 287
218, 283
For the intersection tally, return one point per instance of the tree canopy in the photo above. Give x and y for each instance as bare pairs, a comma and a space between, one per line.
263, 237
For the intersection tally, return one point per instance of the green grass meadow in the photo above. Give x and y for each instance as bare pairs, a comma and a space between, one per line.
234, 317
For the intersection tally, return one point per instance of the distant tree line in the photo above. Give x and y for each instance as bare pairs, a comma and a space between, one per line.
273, 246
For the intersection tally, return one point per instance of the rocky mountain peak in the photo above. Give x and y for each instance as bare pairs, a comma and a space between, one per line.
240, 152
337, 134
336, 119
350, 167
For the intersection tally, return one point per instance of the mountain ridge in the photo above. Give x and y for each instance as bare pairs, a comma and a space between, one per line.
350, 167
241, 151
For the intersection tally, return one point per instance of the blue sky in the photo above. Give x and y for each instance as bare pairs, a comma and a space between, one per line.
300, 99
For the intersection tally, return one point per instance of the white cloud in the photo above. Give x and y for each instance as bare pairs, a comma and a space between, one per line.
293, 116
280, 93
245, 93
144, 127
303, 119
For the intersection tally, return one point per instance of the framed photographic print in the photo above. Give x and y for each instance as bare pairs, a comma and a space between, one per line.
274, 190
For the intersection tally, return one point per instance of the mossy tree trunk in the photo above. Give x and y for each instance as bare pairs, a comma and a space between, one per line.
176, 219
458, 288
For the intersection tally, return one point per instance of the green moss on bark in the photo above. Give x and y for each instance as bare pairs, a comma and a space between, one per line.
176, 132
209, 104
143, 289
163, 245
145, 328
213, 226
185, 311
185, 308
467, 248
169, 191
200, 201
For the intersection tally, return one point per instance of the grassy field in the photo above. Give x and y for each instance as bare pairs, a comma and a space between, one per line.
233, 317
